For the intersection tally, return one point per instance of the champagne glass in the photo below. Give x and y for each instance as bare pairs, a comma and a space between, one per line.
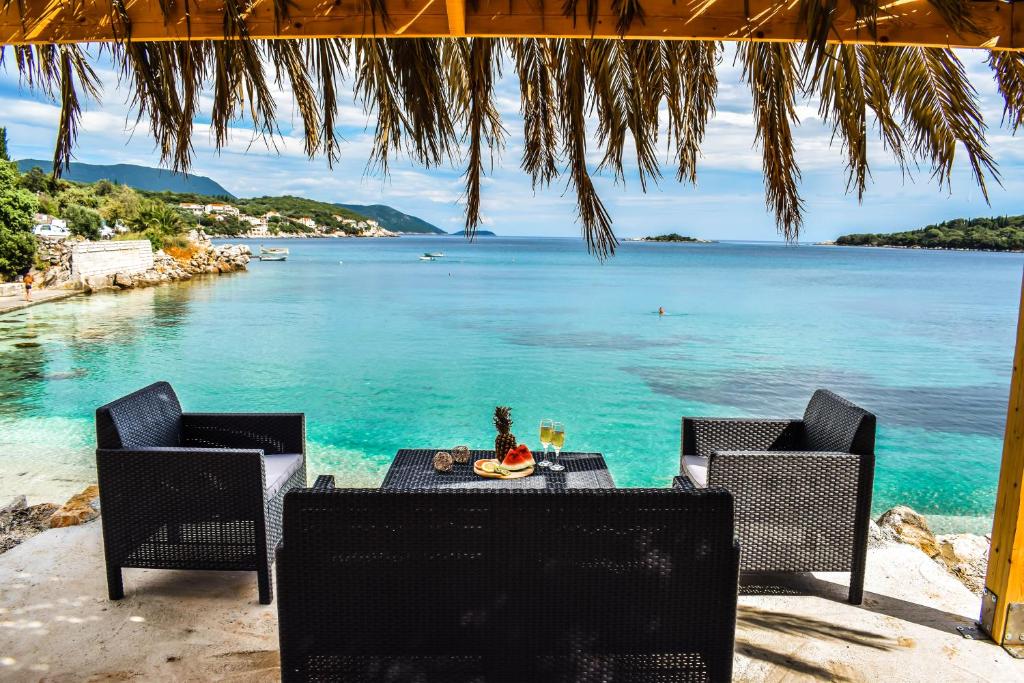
557, 440
545, 440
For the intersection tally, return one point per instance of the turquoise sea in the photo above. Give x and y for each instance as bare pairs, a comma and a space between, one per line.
383, 351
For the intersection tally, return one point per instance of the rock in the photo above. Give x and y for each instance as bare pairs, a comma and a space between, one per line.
23, 522
79, 509
17, 503
906, 526
124, 281
966, 556
96, 283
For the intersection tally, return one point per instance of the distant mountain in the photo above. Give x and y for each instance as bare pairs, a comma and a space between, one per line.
395, 220
139, 177
479, 233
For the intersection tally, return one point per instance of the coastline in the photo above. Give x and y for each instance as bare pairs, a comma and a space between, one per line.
10, 304
918, 248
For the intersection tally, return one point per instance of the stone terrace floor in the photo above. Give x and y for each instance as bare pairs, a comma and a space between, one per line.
57, 625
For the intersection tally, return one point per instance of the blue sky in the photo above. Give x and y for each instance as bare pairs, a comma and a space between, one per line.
728, 202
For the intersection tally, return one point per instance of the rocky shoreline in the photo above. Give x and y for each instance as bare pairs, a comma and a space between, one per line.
200, 257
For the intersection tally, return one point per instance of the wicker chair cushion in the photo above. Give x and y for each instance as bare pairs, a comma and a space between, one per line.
278, 468
697, 468
831, 423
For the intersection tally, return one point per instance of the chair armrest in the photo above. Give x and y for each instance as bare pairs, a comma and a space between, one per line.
173, 481
325, 482
702, 435
683, 482
789, 472
270, 432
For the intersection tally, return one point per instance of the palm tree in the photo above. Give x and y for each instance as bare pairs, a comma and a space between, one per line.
157, 217
433, 98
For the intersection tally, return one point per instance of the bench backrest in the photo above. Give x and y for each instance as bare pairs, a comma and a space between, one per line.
145, 418
831, 423
510, 585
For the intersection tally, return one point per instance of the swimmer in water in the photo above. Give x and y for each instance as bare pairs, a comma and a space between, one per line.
661, 310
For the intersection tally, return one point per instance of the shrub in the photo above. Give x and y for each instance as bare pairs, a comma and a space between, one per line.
17, 245
82, 221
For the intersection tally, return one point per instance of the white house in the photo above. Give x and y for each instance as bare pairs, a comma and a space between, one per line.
222, 209
308, 222
194, 209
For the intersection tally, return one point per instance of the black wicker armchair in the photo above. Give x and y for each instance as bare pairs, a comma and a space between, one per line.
193, 490
509, 585
802, 487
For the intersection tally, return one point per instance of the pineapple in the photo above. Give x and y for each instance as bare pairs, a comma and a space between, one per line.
505, 441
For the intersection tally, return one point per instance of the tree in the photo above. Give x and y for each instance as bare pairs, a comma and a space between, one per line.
158, 217
82, 221
4, 155
37, 181
158, 222
17, 206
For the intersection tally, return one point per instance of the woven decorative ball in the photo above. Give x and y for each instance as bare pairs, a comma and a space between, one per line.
443, 461
461, 454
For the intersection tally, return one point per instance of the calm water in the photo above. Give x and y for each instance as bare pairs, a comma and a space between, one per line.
382, 351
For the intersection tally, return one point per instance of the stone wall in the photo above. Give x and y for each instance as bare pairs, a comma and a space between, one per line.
90, 259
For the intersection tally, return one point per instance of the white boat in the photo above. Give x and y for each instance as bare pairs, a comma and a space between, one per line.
427, 258
273, 253
433, 255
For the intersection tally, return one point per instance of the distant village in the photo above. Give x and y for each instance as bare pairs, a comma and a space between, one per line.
261, 225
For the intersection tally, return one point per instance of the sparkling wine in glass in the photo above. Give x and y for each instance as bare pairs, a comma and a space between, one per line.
545, 441
557, 440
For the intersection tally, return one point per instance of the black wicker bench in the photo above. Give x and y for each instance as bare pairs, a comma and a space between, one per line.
802, 487
509, 585
193, 490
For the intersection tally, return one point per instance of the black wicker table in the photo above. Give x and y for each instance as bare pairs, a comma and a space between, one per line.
414, 469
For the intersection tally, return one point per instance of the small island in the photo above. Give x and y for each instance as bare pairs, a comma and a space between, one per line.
671, 237
1002, 233
478, 233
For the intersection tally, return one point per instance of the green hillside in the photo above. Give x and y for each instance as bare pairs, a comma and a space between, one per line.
138, 177
393, 219
1001, 233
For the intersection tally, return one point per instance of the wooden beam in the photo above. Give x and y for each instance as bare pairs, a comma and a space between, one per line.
1004, 581
903, 22
456, 17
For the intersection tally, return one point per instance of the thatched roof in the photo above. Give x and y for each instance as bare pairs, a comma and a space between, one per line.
433, 98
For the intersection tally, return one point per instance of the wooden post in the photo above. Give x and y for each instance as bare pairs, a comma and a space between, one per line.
1002, 608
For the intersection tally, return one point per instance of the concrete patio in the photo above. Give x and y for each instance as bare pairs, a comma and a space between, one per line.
57, 625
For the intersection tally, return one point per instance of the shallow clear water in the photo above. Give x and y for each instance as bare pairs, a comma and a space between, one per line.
383, 351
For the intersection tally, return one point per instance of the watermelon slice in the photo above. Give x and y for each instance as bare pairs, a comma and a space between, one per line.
518, 458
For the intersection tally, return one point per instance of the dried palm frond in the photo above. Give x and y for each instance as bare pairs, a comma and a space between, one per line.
409, 85
570, 55
770, 69
329, 59
75, 73
287, 57
691, 85
843, 104
1008, 70
484, 123
940, 109
608, 81
539, 107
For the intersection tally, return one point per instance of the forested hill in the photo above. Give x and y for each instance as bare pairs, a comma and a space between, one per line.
138, 177
1002, 233
394, 219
